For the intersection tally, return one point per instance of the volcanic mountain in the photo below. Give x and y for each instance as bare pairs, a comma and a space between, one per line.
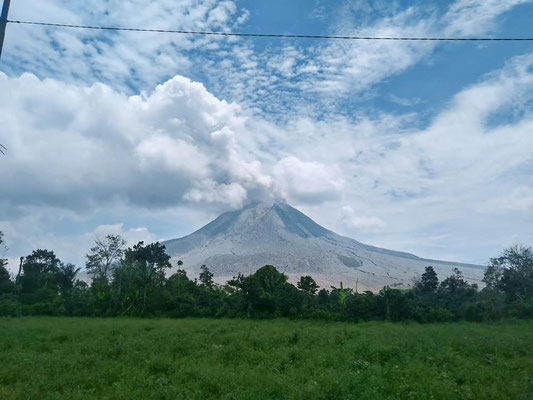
277, 234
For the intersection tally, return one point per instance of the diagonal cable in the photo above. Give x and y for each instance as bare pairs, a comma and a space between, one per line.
272, 35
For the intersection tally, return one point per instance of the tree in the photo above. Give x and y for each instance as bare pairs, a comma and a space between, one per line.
323, 297
455, 293
307, 285
289, 299
141, 272
363, 306
206, 277
39, 270
454, 284
259, 291
394, 306
6, 284
512, 273
254, 299
269, 278
181, 295
429, 281
66, 275
104, 256
152, 255
3, 261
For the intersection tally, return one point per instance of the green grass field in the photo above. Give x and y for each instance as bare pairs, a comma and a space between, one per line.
81, 358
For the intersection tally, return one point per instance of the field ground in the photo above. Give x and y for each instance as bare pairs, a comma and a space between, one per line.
82, 358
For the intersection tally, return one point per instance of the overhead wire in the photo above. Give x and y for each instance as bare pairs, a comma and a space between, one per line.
272, 35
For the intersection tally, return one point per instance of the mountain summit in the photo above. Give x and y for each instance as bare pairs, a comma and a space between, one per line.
276, 233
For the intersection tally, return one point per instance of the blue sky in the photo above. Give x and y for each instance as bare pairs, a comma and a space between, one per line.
416, 146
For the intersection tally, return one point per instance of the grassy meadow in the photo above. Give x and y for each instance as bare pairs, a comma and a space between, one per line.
83, 358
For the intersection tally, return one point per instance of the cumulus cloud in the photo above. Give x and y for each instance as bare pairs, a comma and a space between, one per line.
444, 180
84, 154
72, 145
79, 149
307, 181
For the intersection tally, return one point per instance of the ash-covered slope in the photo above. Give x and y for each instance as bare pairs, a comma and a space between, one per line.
278, 234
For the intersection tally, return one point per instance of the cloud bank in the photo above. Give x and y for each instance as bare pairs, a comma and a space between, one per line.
155, 137
83, 148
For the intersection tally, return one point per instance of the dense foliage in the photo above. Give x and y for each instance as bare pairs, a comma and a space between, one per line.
52, 358
135, 282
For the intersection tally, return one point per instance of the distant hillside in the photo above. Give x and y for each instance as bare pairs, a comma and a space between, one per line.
278, 234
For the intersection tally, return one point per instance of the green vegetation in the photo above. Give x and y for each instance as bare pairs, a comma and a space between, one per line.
116, 358
134, 282
251, 355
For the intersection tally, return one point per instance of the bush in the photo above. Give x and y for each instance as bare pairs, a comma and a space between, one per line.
10, 308
43, 309
427, 313
522, 309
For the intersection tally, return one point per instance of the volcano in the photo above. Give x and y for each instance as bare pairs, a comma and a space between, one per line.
277, 234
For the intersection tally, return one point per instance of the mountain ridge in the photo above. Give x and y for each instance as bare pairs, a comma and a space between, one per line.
275, 233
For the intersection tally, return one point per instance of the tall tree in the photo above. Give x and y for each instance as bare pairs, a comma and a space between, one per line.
323, 297
454, 283
105, 256
206, 277
512, 273
39, 270
6, 284
66, 275
269, 278
307, 285
141, 271
259, 291
289, 299
429, 281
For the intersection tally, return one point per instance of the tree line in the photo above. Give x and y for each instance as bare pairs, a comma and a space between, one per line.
134, 282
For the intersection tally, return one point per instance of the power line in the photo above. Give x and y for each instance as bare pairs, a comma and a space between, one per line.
272, 35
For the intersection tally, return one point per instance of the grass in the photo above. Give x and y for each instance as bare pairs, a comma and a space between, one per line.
82, 358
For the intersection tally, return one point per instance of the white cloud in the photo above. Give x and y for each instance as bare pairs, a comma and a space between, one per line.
474, 17
310, 76
439, 181
210, 192
307, 181
72, 145
405, 102
120, 58
163, 152
518, 200
360, 222
80, 153
353, 66
132, 236
314, 77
